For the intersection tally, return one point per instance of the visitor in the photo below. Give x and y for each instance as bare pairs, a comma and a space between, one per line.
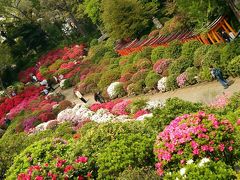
80, 96
98, 97
13, 93
217, 73
50, 85
225, 36
44, 92
55, 79
7, 120
33, 78
43, 83
232, 36
60, 77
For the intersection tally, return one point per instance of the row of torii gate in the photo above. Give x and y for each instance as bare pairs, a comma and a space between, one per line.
213, 36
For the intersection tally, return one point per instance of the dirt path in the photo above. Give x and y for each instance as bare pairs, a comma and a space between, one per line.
203, 92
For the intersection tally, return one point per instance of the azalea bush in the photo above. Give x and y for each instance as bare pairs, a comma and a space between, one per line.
59, 169
205, 169
161, 66
116, 90
157, 53
199, 55
189, 48
162, 84
182, 80
233, 66
194, 136
151, 80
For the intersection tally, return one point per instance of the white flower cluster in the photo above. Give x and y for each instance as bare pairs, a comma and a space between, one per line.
151, 105
203, 161
112, 89
2, 93
43, 126
141, 118
162, 84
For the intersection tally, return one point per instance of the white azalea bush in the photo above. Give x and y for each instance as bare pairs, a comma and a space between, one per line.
151, 105
115, 90
203, 169
162, 84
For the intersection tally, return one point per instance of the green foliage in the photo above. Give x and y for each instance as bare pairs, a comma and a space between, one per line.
212, 57
199, 55
229, 51
136, 105
140, 75
192, 73
136, 88
108, 77
56, 65
173, 51
128, 68
180, 65
128, 17
92, 9
35, 154
96, 53
144, 53
205, 75
143, 64
152, 79
234, 66
157, 53
173, 107
171, 83
5, 57
94, 42
210, 170
189, 48
145, 173
67, 84
131, 150
201, 12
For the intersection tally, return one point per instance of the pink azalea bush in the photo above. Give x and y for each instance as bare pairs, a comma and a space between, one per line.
59, 169
194, 136
120, 108
182, 79
220, 102
161, 66
108, 105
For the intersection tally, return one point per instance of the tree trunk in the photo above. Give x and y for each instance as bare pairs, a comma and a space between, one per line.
3, 88
76, 23
234, 8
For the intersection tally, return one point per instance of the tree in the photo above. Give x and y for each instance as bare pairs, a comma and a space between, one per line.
201, 12
233, 5
6, 60
126, 18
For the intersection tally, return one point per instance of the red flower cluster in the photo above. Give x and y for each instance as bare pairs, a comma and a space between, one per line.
107, 105
79, 169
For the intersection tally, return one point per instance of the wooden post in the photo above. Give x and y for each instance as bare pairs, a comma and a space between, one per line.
209, 36
221, 39
214, 35
229, 27
225, 28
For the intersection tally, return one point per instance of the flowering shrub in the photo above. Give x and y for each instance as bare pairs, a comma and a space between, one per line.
220, 102
120, 108
205, 169
197, 135
125, 77
140, 75
162, 84
182, 79
161, 66
140, 113
59, 169
115, 89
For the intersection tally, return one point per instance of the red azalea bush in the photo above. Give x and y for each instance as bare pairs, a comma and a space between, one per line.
46, 116
161, 66
107, 105
140, 113
24, 76
194, 137
59, 169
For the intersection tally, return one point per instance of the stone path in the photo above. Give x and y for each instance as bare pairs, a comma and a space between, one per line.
203, 92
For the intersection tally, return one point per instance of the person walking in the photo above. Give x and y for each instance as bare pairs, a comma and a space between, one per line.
80, 96
217, 73
33, 78
98, 97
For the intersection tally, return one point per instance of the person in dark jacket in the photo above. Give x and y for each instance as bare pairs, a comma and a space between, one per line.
217, 73
225, 36
98, 97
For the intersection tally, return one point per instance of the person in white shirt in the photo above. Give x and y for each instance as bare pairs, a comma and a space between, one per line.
80, 96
